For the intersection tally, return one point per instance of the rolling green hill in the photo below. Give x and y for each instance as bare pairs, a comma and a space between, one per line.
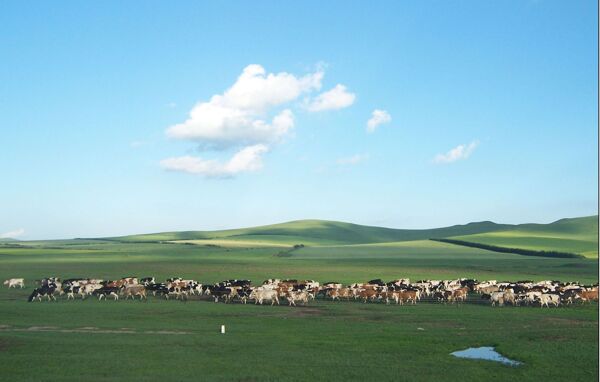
576, 235
318, 232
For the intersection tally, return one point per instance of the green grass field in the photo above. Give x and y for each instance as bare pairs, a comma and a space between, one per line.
174, 340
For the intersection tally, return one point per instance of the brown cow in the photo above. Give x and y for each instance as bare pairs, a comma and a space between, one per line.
368, 294
407, 295
339, 293
135, 290
460, 294
588, 295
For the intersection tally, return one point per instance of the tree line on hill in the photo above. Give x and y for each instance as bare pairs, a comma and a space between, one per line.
519, 251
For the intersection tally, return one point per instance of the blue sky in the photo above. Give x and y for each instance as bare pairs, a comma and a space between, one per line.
131, 117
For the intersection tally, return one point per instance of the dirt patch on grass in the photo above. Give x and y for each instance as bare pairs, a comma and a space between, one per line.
565, 321
304, 311
88, 329
4, 345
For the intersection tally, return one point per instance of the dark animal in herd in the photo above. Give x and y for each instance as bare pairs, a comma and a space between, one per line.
399, 291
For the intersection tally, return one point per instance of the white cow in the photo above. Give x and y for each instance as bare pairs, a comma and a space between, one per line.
261, 295
13, 283
531, 297
547, 298
294, 296
497, 298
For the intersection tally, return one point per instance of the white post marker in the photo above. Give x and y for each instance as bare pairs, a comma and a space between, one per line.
222, 329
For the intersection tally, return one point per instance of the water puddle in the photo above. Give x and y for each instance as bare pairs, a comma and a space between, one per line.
487, 353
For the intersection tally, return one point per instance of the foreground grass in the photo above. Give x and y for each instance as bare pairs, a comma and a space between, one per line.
169, 340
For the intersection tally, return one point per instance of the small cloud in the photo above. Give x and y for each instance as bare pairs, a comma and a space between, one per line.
352, 160
246, 160
378, 117
334, 99
458, 153
171, 105
12, 234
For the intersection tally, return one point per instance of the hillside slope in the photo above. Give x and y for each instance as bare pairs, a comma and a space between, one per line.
576, 235
315, 232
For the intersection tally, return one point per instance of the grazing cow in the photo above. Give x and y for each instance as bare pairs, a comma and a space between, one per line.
104, 292
443, 296
155, 289
282, 289
460, 294
88, 289
135, 290
43, 291
548, 298
569, 295
237, 283
400, 282
469, 283
243, 294
408, 296
147, 281
510, 298
332, 285
13, 283
488, 289
219, 291
588, 295
497, 298
339, 293
390, 295
261, 295
178, 293
271, 282
368, 294
294, 296
71, 291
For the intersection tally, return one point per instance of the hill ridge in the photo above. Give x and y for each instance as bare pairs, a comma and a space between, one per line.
330, 232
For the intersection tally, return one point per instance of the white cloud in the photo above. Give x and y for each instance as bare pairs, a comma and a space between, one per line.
247, 159
12, 234
238, 116
459, 152
352, 160
334, 99
378, 117
171, 105
248, 119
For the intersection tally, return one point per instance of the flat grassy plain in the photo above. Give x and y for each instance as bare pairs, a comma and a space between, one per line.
325, 341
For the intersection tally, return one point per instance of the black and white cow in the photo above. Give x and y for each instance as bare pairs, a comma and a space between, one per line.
43, 291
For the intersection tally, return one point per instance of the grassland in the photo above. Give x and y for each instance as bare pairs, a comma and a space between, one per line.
173, 340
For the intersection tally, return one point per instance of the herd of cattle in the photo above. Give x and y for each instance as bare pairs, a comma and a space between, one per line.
401, 291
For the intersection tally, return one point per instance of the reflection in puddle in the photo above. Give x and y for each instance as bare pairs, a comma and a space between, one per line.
485, 352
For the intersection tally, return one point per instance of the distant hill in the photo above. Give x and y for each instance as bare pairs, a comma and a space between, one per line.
578, 235
318, 232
